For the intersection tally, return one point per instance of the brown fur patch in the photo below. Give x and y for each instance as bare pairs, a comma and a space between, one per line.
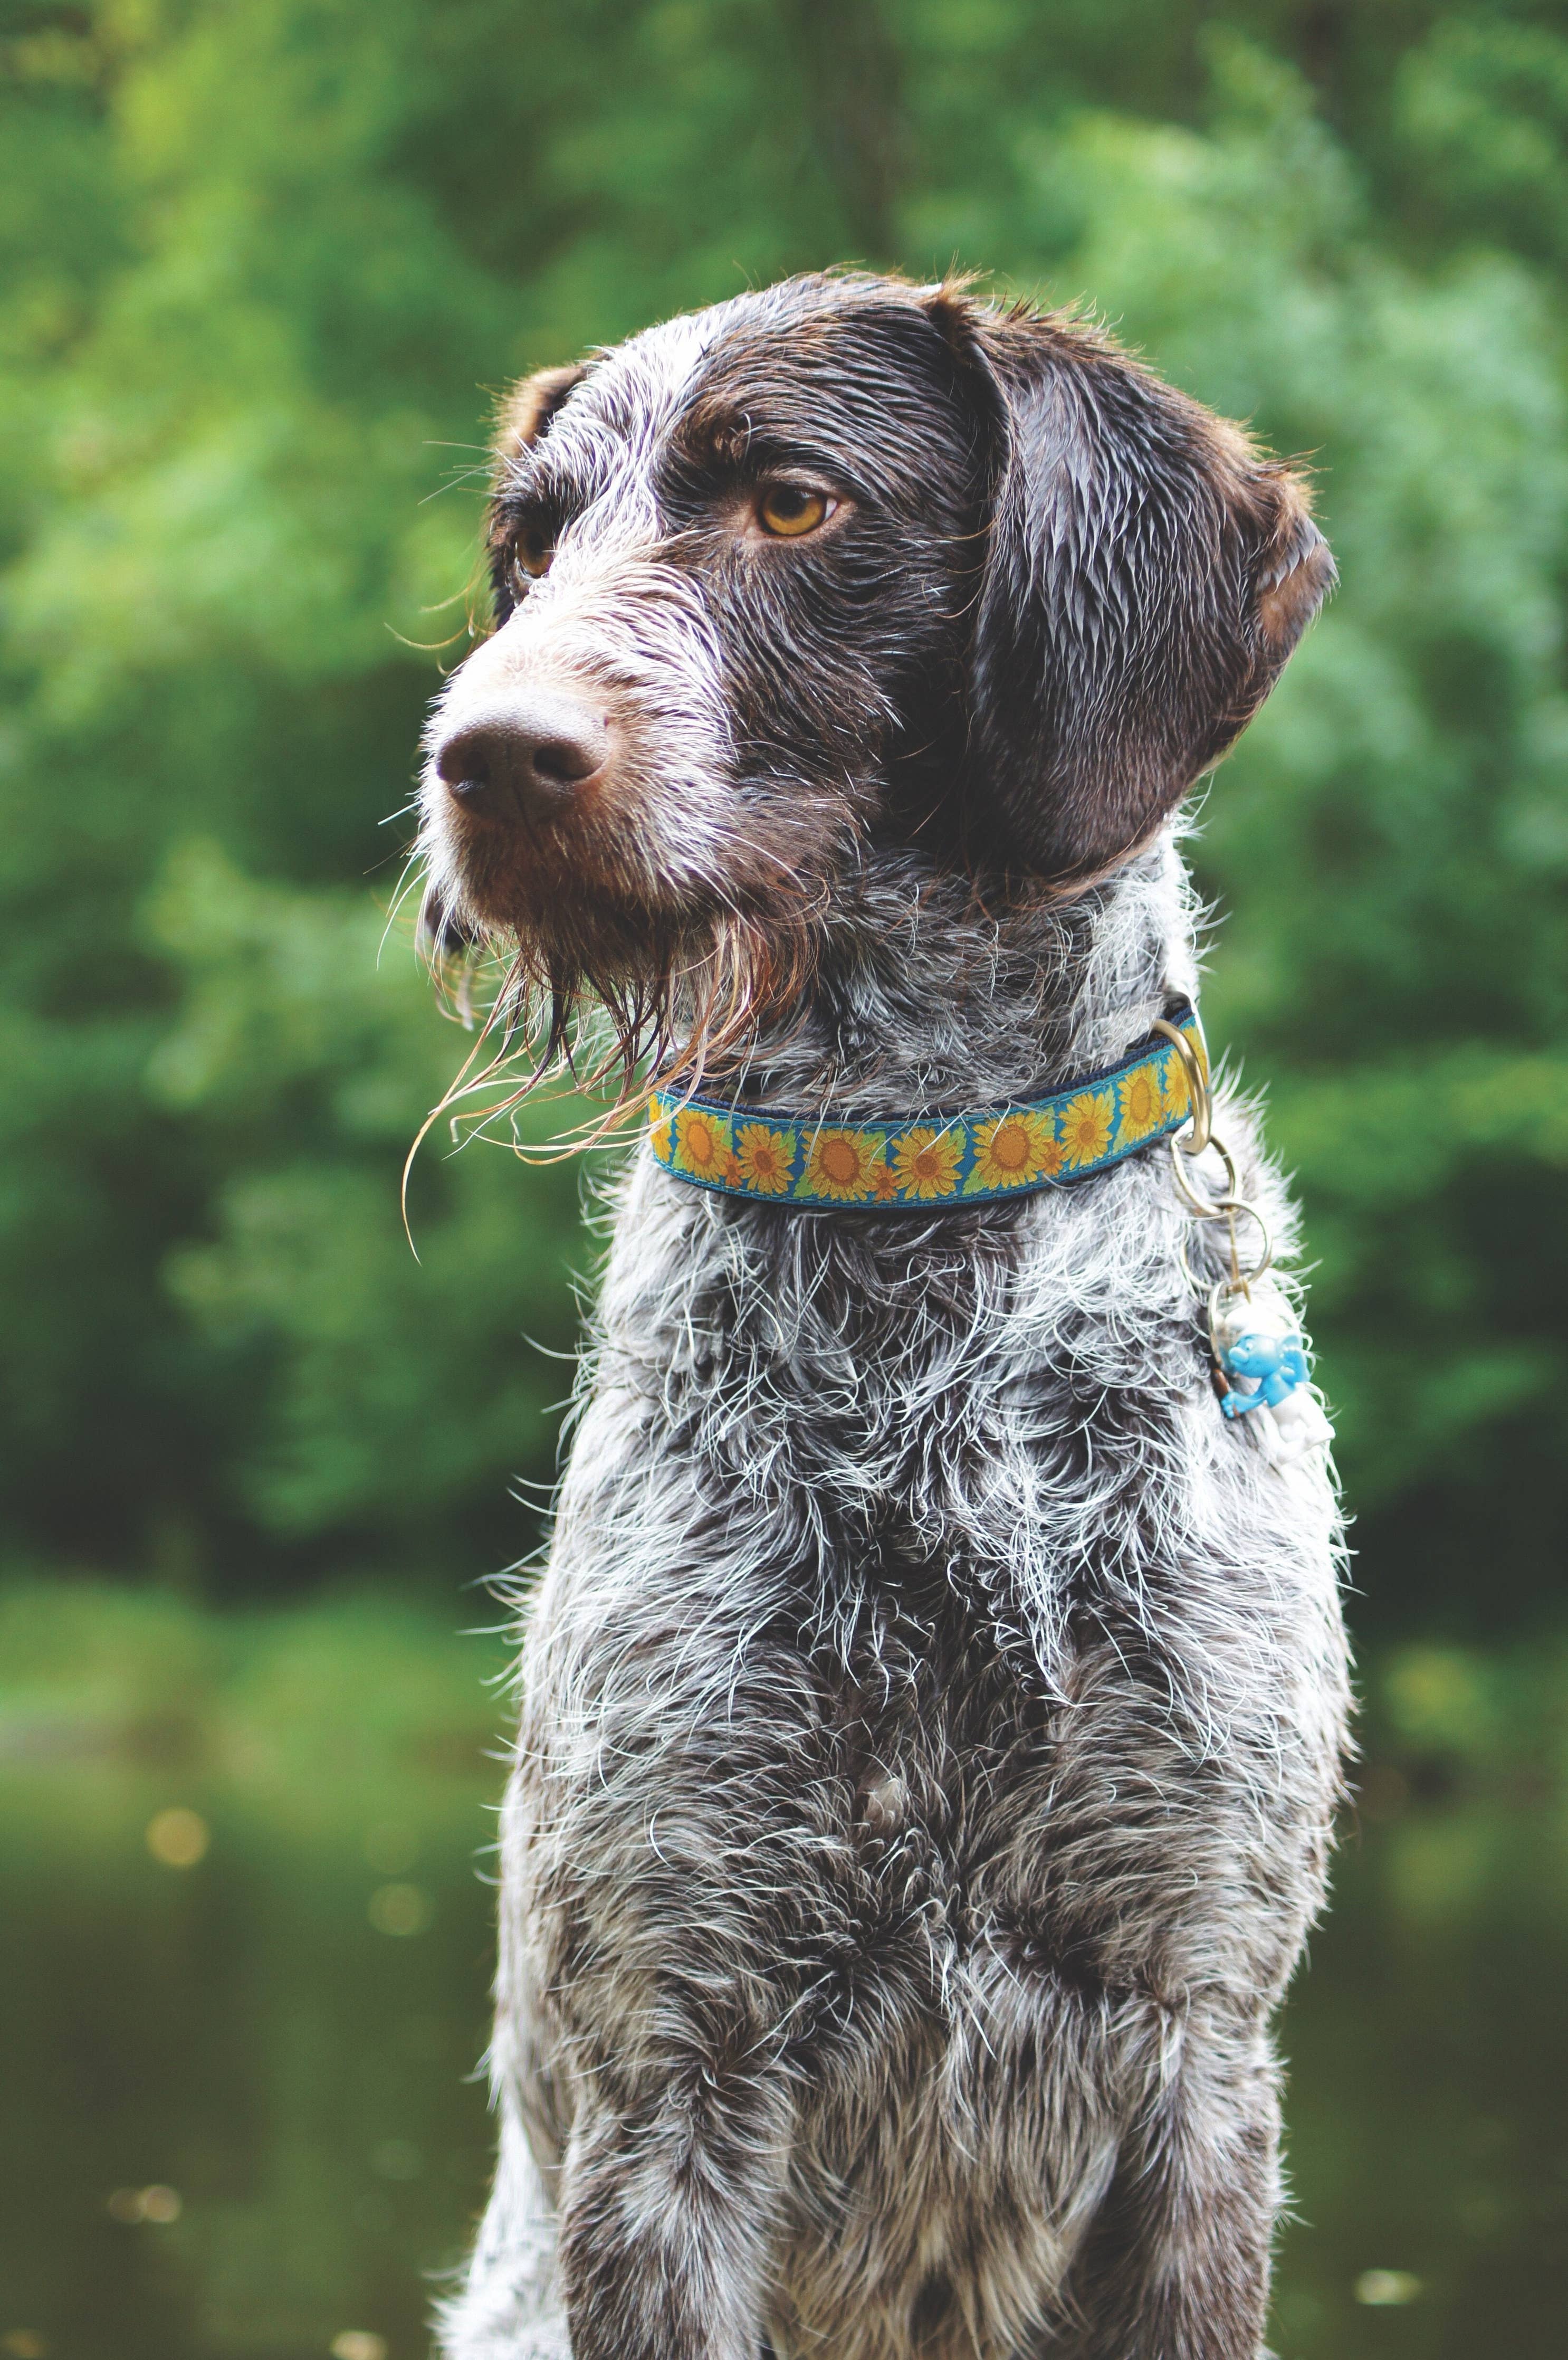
527, 408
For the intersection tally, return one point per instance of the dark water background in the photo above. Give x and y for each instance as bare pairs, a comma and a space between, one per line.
283, 2034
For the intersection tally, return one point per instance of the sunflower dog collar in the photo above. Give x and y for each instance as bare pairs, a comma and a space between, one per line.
970, 1159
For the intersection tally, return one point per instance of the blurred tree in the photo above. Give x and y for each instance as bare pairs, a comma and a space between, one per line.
261, 267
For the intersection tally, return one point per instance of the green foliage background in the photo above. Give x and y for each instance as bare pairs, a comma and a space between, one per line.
262, 264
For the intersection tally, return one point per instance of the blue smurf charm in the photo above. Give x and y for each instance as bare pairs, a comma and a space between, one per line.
1261, 1363
1276, 1365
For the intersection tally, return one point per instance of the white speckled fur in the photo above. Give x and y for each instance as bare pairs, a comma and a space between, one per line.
932, 1711
737, 1491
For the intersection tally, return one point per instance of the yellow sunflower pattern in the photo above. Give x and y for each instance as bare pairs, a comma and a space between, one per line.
1140, 1104
1176, 1098
911, 1164
1086, 1122
840, 1165
925, 1162
1014, 1150
763, 1156
701, 1144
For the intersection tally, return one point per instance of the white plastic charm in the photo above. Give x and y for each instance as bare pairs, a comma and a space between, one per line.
1262, 1360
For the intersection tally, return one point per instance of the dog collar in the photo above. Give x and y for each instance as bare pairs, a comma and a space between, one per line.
808, 1164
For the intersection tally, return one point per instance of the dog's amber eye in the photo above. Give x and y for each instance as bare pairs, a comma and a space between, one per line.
787, 511
533, 553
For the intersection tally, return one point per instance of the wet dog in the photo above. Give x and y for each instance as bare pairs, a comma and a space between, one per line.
932, 1708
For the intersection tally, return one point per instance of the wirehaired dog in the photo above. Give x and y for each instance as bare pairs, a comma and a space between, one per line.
932, 1708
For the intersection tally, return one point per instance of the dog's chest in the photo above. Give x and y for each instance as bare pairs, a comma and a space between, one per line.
866, 1669
849, 1812
940, 1750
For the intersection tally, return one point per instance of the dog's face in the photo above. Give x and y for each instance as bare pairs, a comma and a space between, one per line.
735, 566
842, 563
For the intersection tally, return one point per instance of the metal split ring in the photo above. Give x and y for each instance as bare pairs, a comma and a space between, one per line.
1208, 1208
1232, 1207
1229, 1208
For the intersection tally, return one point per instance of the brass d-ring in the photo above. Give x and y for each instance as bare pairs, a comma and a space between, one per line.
1196, 1069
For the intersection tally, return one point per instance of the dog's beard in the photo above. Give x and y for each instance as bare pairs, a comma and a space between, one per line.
629, 960
611, 1003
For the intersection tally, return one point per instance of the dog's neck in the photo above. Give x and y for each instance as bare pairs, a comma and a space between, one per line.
926, 999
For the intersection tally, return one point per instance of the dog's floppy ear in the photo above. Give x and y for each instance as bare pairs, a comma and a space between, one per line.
527, 408
1147, 574
524, 414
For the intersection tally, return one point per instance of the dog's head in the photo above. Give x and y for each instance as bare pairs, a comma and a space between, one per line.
844, 563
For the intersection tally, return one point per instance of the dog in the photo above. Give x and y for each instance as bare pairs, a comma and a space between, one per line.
933, 1707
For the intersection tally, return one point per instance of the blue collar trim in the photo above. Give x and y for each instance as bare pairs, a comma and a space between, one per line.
806, 1163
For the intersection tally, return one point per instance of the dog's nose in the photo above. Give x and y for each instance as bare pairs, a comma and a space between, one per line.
525, 759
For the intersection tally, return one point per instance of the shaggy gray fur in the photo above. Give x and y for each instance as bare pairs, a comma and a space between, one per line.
931, 1709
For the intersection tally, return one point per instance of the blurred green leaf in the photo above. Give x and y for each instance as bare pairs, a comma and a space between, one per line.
262, 270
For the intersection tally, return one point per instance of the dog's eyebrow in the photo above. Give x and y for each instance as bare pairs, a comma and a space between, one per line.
712, 433
541, 479
534, 473
732, 441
